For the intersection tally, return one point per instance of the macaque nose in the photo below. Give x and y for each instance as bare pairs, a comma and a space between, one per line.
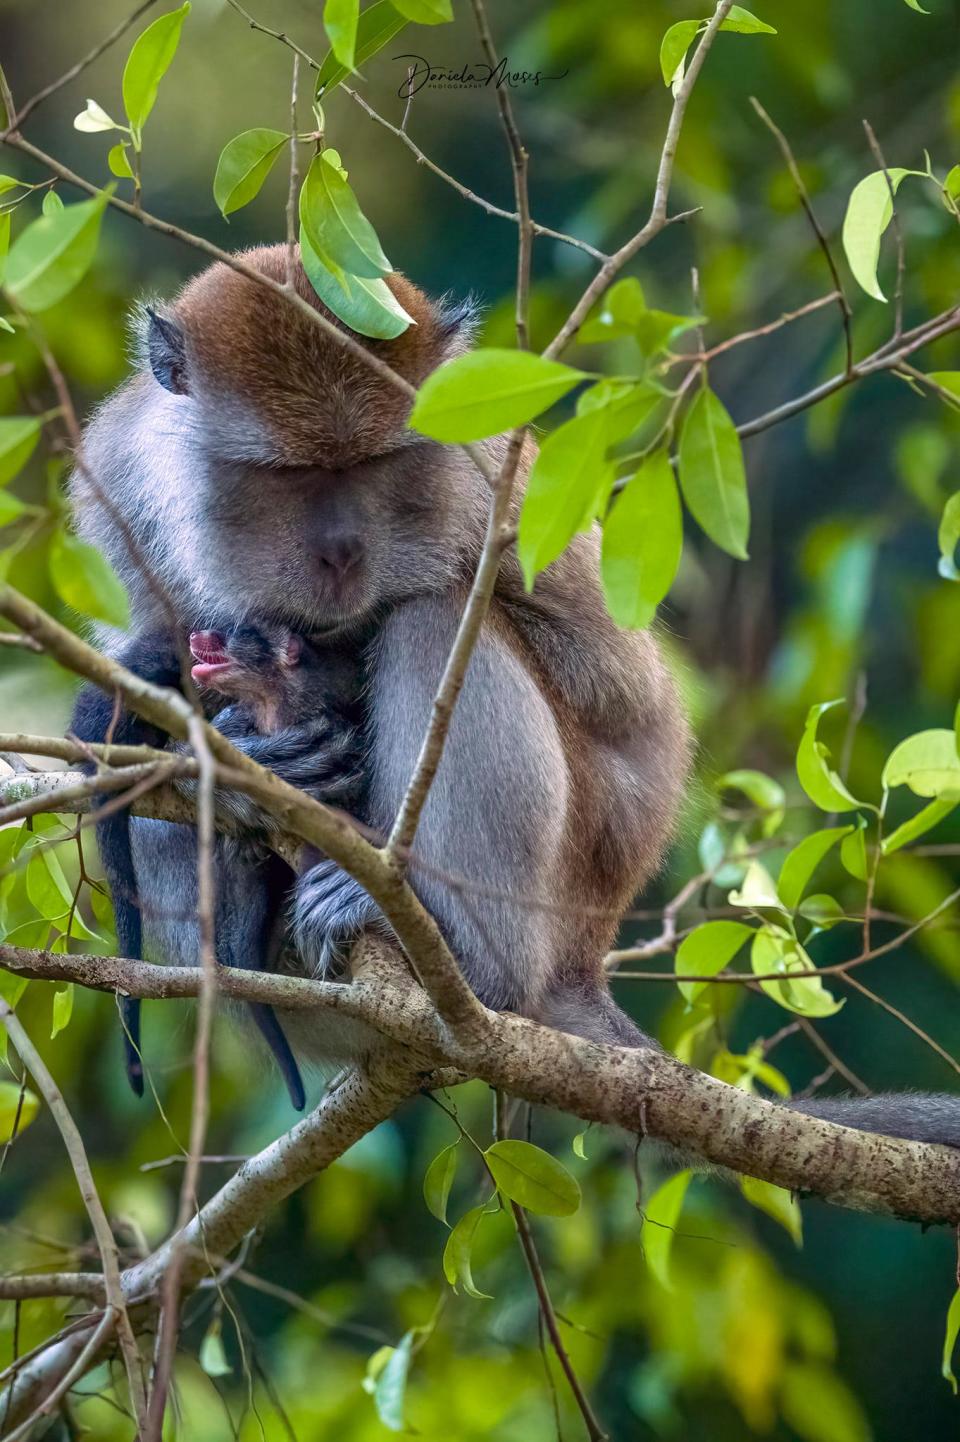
338, 556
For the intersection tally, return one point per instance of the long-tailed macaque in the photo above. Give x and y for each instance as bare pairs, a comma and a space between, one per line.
265, 470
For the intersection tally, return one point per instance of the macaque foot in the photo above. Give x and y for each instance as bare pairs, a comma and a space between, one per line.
330, 910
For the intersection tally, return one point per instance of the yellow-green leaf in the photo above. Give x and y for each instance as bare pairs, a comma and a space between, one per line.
948, 534
438, 1180
10, 1105
816, 776
18, 441
708, 949
642, 541
62, 1008
869, 212
425, 12
85, 580
457, 1252
148, 62
368, 307
533, 1178
376, 27
800, 863
340, 22
244, 164
54, 253
777, 1202
334, 223
950, 1340
487, 391
927, 763
712, 475
567, 479
660, 1217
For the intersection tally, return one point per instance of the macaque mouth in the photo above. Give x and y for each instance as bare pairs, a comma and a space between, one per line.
208, 649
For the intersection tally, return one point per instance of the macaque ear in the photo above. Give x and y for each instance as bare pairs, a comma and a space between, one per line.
167, 353
292, 651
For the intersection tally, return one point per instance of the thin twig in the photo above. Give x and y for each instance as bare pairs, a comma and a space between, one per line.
206, 901
294, 180
29, 106
904, 1020
84, 1361
106, 1244
658, 211
804, 196
827, 1052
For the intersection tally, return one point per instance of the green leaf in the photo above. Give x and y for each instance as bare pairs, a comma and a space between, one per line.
927, 763
18, 441
712, 475
626, 405
118, 162
823, 910
566, 481
11, 508
915, 5
642, 541
819, 1406
94, 119
213, 1358
147, 63
757, 891
707, 950
10, 1104
533, 1178
674, 46
818, 779
869, 212
62, 1008
335, 225
4, 250
775, 950
47, 888
678, 39
950, 1340
487, 391
389, 1393
853, 851
438, 1180
620, 310
456, 1254
52, 204
425, 12
244, 164
54, 253
660, 1217
741, 22
85, 580
777, 1202
765, 793
368, 307
340, 22
948, 534
800, 863
376, 27
924, 821
579, 1145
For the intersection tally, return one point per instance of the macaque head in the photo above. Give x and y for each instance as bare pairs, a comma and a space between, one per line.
319, 503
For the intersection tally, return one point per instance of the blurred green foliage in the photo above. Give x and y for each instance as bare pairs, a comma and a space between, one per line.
728, 1331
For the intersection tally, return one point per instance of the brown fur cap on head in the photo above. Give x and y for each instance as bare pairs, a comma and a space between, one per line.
227, 339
